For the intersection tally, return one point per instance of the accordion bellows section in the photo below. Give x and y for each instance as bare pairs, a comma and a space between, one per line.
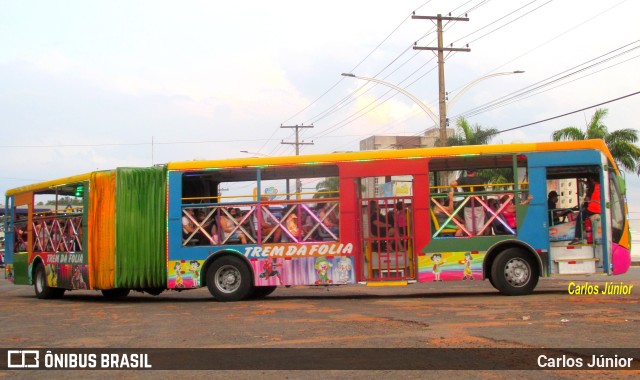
127, 229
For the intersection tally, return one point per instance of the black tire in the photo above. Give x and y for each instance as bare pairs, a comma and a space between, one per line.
262, 291
490, 278
115, 293
229, 279
153, 291
515, 272
43, 290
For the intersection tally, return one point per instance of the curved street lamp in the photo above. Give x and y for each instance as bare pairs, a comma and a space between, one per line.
422, 105
475, 81
254, 153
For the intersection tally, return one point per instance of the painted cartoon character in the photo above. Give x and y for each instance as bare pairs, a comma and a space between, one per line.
468, 274
344, 270
269, 270
77, 282
52, 276
322, 269
195, 272
179, 281
437, 263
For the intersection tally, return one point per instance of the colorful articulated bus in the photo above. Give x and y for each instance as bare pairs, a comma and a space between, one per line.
390, 217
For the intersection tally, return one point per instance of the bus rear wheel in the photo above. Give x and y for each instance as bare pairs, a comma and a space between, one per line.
229, 279
115, 293
514, 272
43, 290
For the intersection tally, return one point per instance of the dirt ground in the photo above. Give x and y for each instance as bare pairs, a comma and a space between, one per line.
440, 315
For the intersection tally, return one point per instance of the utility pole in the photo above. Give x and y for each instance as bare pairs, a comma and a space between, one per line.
297, 143
441, 49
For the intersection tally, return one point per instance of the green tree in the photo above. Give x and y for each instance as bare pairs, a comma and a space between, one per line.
467, 134
328, 188
621, 142
63, 201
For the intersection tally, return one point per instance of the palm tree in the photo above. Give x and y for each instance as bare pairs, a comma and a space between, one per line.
328, 188
470, 134
621, 142
477, 135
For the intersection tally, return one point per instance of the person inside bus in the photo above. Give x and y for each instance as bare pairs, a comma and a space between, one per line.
381, 226
267, 224
442, 216
329, 219
187, 225
291, 224
590, 207
203, 239
474, 215
509, 212
227, 225
554, 213
308, 223
400, 218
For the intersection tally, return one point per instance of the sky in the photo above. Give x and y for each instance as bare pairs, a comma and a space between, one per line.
93, 85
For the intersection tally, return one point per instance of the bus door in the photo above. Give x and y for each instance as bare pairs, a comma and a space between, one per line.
383, 198
387, 238
568, 253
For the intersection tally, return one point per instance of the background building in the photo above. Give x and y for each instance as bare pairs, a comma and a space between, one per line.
373, 186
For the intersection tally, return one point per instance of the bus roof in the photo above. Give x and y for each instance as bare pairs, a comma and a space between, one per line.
395, 153
349, 156
49, 184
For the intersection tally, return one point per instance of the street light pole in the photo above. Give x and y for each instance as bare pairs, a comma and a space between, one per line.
254, 153
440, 121
424, 107
475, 81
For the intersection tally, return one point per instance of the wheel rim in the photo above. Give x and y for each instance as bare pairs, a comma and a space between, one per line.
517, 272
228, 279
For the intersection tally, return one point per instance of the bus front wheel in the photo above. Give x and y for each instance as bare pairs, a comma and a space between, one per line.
229, 279
514, 272
43, 290
262, 291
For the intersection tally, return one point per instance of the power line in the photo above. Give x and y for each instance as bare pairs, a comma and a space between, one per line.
355, 67
545, 43
562, 115
549, 89
517, 99
343, 102
372, 105
554, 38
341, 79
550, 80
129, 144
493, 22
568, 113
510, 22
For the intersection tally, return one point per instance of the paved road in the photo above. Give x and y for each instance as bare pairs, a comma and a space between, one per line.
421, 315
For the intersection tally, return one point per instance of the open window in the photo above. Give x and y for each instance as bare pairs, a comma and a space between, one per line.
260, 205
567, 190
490, 190
57, 219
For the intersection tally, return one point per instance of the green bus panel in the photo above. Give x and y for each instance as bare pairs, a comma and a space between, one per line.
141, 228
21, 268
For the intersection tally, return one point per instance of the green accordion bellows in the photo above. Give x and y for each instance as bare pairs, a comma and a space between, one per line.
141, 228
